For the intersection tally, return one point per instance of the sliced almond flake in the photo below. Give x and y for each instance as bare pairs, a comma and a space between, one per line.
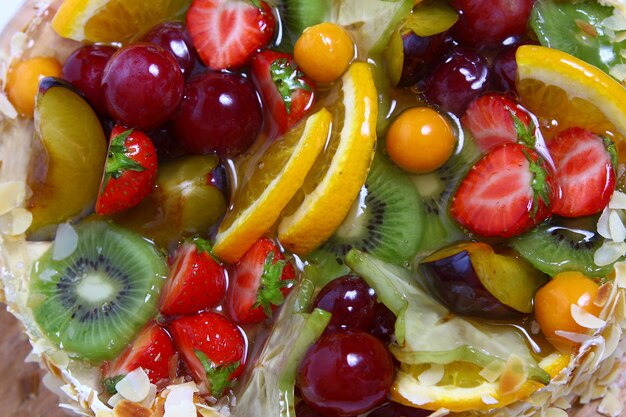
135, 386
604, 294
152, 393
555, 412
18, 42
114, 400
620, 274
616, 227
574, 337
12, 194
74, 409
586, 319
104, 413
15, 222
440, 413
618, 200
612, 336
432, 375
65, 243
513, 375
562, 403
610, 405
492, 372
127, 408
615, 22
603, 223
7, 108
608, 253
618, 71
488, 399
179, 402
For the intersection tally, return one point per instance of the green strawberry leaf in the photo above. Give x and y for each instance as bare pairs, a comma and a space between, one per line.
525, 135
203, 245
539, 183
118, 162
218, 376
110, 383
287, 79
269, 293
609, 145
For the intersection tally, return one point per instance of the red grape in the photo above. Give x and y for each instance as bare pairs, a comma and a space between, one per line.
351, 302
84, 69
504, 69
461, 77
143, 86
172, 37
303, 410
384, 324
345, 373
419, 54
489, 22
220, 112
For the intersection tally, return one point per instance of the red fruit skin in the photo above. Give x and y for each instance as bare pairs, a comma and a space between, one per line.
489, 22
584, 172
227, 33
301, 100
214, 335
196, 283
489, 120
152, 350
133, 186
496, 197
242, 293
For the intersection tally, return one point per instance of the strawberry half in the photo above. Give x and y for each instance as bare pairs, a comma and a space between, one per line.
129, 172
286, 91
585, 171
494, 119
506, 193
226, 33
259, 283
197, 280
213, 348
152, 351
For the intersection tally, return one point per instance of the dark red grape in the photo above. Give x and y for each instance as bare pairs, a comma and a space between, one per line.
172, 37
219, 113
461, 77
504, 70
166, 143
143, 86
345, 373
419, 54
384, 324
398, 410
489, 22
351, 302
219, 178
84, 69
303, 410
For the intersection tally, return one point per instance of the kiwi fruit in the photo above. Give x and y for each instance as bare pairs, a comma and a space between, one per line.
93, 302
563, 245
386, 220
297, 15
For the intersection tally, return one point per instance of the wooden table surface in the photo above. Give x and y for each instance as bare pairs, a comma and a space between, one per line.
23, 395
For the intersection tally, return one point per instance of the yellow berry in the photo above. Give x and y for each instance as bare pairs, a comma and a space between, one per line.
23, 81
420, 140
324, 51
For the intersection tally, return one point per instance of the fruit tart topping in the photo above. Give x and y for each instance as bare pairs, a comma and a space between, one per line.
197, 280
287, 92
259, 283
210, 339
506, 193
142, 85
173, 37
23, 81
134, 386
129, 172
226, 33
585, 171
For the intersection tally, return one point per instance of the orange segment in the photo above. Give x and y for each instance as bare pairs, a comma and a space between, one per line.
338, 176
272, 182
114, 20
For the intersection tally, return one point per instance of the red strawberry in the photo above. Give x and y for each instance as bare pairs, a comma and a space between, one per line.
129, 172
506, 193
226, 33
494, 119
259, 283
585, 171
197, 281
286, 91
213, 348
152, 351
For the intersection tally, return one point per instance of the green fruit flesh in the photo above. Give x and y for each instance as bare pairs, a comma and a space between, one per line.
68, 150
95, 301
387, 219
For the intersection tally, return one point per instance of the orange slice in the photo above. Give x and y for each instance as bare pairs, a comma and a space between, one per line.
277, 176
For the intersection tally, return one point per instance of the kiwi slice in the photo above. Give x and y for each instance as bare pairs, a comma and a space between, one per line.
563, 245
386, 220
297, 15
93, 302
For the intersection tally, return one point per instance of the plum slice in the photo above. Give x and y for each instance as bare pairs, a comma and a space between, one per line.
470, 278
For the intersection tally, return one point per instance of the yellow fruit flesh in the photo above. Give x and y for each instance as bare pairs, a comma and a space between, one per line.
23, 82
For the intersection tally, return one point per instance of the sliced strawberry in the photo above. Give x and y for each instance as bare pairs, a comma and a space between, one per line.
197, 280
506, 193
214, 349
585, 171
259, 283
226, 33
494, 119
152, 351
287, 92
129, 172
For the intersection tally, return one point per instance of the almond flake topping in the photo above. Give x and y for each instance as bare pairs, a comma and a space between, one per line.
135, 386
179, 402
586, 319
